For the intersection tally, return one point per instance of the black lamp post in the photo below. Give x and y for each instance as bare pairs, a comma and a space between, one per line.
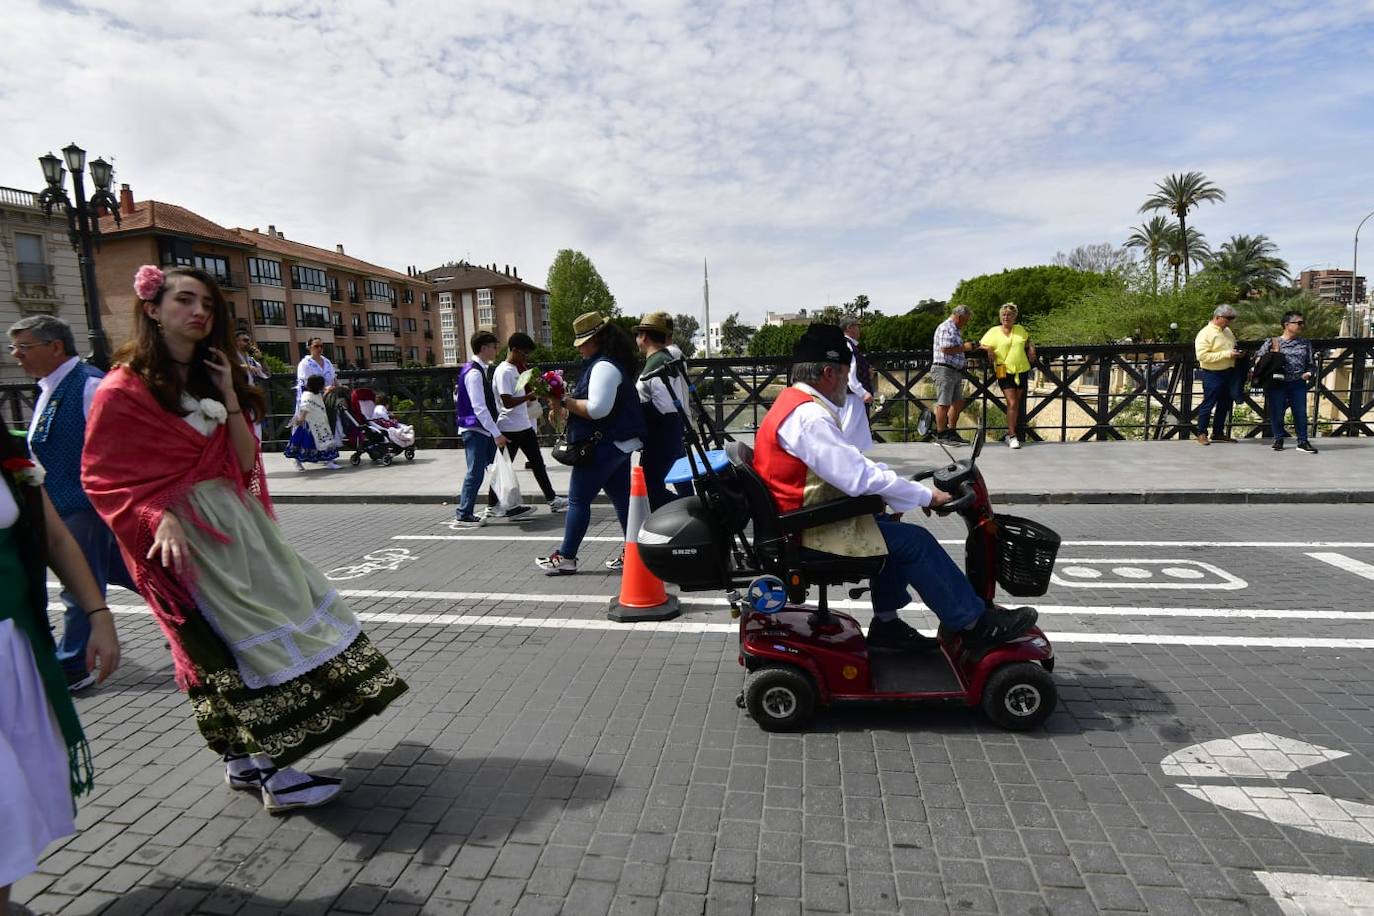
83, 226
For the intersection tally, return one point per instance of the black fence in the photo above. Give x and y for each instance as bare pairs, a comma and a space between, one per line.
1129, 391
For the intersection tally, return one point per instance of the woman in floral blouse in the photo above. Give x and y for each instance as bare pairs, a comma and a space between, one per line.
275, 664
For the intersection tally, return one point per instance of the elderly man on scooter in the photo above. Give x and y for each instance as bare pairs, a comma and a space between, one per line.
803, 457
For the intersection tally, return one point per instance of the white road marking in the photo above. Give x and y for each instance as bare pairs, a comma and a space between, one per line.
1299, 894
958, 542
1341, 561
1254, 756
551, 536
1137, 571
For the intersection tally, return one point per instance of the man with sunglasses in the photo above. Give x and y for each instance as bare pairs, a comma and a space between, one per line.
1216, 356
45, 349
1299, 366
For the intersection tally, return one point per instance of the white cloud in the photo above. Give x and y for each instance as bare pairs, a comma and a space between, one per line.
812, 150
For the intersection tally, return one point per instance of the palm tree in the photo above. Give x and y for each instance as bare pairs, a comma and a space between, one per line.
1186, 248
1249, 263
1154, 240
1178, 194
1262, 316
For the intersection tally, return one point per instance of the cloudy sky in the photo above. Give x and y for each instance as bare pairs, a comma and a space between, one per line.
810, 150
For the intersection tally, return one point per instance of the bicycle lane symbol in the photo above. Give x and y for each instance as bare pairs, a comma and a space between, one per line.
385, 558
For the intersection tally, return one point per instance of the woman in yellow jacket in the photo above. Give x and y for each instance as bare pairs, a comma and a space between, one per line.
1009, 347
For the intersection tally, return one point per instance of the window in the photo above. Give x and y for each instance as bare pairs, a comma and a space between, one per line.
362, 353
413, 354
33, 266
357, 326
338, 325
408, 296
278, 348
450, 339
384, 353
379, 321
486, 315
446, 319
313, 316
215, 266
378, 290
450, 356
410, 324
308, 278
269, 312
174, 252
334, 289
264, 272
427, 327
353, 291
446, 300
424, 302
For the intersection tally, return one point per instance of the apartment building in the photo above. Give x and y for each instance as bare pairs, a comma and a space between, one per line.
282, 291
39, 271
472, 298
1330, 285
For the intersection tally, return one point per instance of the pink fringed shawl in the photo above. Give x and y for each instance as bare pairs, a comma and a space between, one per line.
138, 462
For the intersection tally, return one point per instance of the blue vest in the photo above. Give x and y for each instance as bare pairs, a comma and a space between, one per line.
626, 419
58, 438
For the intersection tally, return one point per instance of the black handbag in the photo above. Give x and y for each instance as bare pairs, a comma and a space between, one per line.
575, 454
1267, 370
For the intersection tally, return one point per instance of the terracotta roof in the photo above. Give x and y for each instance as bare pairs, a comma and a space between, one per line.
469, 276
325, 256
152, 215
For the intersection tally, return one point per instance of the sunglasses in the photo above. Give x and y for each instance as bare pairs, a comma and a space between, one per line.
1297, 322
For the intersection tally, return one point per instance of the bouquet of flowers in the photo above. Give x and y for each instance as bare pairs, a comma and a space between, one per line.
541, 384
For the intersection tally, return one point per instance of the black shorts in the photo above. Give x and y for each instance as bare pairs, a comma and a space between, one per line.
1013, 380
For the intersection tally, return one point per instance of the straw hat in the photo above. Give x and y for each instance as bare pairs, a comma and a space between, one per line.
586, 326
655, 321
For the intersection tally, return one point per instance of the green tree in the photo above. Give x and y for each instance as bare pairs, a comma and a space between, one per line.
1035, 290
1251, 264
1179, 194
1187, 247
734, 335
891, 333
274, 365
1131, 307
684, 326
575, 287
857, 307
1154, 239
1260, 317
775, 339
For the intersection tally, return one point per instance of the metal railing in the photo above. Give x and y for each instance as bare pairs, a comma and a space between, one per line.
35, 273
17, 198
1132, 391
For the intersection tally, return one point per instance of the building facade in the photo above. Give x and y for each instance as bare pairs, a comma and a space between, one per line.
40, 273
281, 291
1330, 285
470, 298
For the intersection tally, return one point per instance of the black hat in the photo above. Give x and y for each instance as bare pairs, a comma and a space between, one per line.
822, 343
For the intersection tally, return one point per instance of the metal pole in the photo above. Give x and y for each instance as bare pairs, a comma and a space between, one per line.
706, 298
1355, 330
100, 347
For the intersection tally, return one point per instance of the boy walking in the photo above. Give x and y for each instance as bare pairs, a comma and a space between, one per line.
517, 425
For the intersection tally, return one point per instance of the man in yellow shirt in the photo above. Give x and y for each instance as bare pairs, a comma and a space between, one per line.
1216, 357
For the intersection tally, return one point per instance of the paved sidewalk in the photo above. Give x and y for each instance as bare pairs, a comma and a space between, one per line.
1081, 472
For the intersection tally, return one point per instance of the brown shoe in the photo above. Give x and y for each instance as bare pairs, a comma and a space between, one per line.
1222, 437
1203, 440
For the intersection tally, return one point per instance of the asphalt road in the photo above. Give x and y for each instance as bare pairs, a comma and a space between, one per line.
549, 761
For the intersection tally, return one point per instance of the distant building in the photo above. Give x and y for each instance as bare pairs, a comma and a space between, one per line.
39, 270
282, 291
713, 338
777, 319
1330, 285
474, 298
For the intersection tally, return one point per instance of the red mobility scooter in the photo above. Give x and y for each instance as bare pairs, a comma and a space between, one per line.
732, 536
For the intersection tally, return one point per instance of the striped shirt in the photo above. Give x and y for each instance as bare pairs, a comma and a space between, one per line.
947, 335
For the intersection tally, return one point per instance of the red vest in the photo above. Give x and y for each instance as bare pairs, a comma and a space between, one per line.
784, 474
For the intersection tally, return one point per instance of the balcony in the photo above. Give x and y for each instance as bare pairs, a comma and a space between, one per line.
429, 335
396, 332
338, 329
335, 296
354, 298
357, 330
32, 273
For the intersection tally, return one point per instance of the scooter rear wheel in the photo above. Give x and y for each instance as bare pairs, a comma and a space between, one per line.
1019, 696
779, 699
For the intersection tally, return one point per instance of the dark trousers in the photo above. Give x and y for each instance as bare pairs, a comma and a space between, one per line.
1217, 400
528, 442
662, 446
98, 546
1282, 397
608, 471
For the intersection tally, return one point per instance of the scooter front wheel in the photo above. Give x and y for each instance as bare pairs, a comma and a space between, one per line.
779, 699
1019, 696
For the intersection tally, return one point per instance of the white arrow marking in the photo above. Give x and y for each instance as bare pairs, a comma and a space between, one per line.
1341, 561
1321, 814
1255, 756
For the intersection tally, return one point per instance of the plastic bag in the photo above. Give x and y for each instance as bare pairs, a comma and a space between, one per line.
503, 481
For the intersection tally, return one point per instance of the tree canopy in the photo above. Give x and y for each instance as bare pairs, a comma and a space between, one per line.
1130, 308
1179, 194
575, 287
684, 326
1035, 290
734, 336
1250, 263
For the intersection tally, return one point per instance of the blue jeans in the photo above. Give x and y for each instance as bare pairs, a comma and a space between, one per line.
916, 560
1216, 395
609, 470
479, 450
97, 545
1281, 397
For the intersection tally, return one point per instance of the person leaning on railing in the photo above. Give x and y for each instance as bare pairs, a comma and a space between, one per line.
1009, 347
1215, 346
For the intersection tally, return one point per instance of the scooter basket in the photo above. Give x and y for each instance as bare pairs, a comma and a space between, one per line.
1025, 556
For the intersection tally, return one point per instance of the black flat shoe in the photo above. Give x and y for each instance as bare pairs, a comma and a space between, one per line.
1000, 625
898, 636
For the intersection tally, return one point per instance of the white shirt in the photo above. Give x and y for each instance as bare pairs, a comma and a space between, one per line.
477, 394
48, 384
654, 392
855, 386
308, 367
601, 391
380, 413
512, 419
811, 433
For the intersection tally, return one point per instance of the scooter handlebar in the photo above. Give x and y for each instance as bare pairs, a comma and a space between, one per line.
964, 500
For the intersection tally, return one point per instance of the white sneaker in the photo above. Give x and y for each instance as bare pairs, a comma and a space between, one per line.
493, 512
1013, 442
555, 564
288, 790
333, 465
299, 466
558, 504
470, 522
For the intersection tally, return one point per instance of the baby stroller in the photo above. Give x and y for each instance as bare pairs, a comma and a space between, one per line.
381, 439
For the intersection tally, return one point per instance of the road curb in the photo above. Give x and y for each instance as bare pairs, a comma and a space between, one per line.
1088, 498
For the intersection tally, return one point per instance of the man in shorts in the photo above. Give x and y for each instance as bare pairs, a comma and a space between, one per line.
948, 373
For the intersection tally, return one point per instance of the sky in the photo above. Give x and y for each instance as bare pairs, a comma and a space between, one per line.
811, 151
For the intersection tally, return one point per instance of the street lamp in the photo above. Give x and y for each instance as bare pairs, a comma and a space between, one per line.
83, 227
1355, 330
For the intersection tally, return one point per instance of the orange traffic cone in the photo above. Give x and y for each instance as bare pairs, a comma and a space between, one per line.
642, 595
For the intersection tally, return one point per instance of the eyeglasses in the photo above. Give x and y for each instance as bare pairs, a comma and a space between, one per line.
24, 348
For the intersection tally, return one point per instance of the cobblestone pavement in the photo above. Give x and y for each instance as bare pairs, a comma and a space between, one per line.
549, 761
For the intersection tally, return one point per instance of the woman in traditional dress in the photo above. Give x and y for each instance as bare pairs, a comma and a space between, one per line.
315, 363
44, 760
312, 440
273, 661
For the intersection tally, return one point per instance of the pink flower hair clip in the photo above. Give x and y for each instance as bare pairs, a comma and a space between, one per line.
148, 282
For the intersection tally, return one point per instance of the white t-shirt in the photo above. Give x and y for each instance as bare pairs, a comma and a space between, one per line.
512, 419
